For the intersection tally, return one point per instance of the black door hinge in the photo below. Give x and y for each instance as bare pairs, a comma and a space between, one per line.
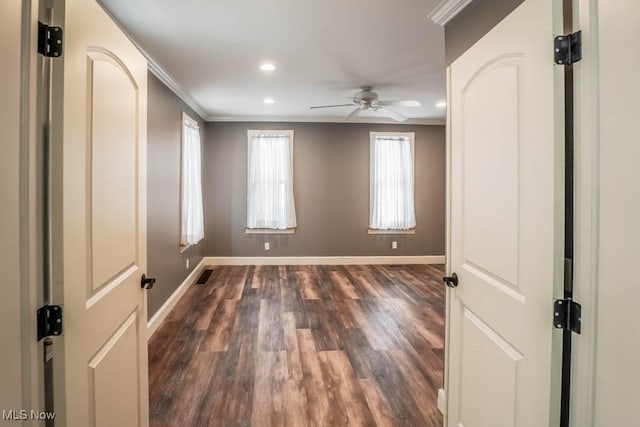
567, 315
568, 48
49, 40
49, 321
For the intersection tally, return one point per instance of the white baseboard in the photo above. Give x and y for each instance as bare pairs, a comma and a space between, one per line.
157, 319
442, 401
326, 260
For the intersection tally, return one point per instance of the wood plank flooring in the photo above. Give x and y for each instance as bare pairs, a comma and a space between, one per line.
302, 346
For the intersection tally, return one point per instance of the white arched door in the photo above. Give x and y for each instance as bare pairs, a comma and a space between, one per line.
506, 244
99, 221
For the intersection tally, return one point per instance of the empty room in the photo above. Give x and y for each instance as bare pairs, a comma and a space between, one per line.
318, 295
346, 213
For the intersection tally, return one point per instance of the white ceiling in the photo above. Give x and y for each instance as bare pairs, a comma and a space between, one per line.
323, 50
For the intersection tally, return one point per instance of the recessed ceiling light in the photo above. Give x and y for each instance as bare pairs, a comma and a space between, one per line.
441, 104
269, 100
267, 66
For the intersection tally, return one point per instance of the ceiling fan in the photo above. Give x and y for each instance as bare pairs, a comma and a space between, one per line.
367, 99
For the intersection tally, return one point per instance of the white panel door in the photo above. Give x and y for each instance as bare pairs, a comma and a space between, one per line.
506, 223
99, 125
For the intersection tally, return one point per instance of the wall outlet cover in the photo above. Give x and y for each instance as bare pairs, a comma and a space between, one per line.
187, 263
394, 245
267, 246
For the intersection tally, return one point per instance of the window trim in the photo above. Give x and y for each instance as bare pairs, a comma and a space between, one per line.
372, 137
251, 133
186, 120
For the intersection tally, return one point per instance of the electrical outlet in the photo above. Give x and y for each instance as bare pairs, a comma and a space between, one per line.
187, 263
394, 245
267, 246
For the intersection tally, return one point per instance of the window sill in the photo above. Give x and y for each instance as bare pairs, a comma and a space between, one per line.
269, 231
184, 248
379, 231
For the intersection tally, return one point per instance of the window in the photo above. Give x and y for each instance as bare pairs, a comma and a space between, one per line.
270, 204
391, 189
192, 215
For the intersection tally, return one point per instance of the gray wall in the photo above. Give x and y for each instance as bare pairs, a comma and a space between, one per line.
472, 23
164, 260
331, 189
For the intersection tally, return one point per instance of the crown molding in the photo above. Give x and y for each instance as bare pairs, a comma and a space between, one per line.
447, 9
303, 119
175, 87
159, 71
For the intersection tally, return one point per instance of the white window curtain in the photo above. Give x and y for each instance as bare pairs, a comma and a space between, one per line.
270, 203
392, 203
192, 214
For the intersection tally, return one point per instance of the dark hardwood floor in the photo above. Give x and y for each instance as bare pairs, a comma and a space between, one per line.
302, 345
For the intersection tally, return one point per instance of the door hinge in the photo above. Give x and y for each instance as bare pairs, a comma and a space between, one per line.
50, 40
568, 48
567, 315
49, 321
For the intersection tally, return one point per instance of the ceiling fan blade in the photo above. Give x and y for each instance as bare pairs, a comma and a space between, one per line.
402, 103
394, 115
331, 106
354, 113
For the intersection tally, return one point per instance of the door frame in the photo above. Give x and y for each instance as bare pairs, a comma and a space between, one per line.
28, 246
443, 401
586, 212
